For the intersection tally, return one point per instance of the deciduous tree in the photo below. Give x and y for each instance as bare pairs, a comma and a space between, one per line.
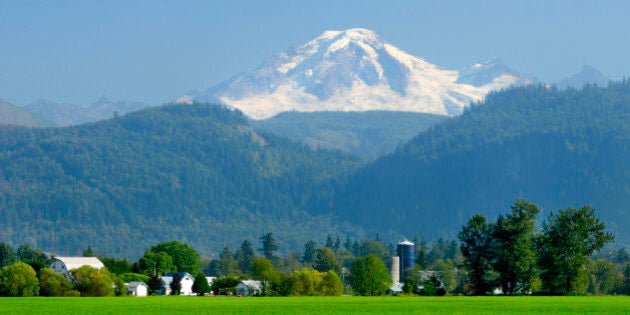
90, 281
18, 279
569, 238
185, 258
369, 276
325, 260
152, 263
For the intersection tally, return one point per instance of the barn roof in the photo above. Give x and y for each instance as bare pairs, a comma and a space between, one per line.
78, 262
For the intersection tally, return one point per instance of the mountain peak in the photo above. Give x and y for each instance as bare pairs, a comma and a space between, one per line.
352, 70
587, 75
102, 101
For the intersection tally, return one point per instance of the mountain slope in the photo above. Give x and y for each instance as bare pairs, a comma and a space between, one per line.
196, 173
13, 115
352, 70
368, 134
555, 148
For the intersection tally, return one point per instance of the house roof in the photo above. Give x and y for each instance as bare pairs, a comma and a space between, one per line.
78, 262
181, 274
135, 284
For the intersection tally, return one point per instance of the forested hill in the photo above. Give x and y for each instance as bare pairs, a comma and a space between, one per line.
195, 173
554, 148
368, 134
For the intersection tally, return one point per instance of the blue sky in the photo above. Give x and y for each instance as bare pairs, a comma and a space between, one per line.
155, 51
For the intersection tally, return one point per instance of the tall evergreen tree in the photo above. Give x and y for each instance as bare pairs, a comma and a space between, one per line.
310, 248
329, 241
88, 252
227, 264
7, 256
201, 286
348, 243
269, 246
516, 256
176, 284
245, 257
479, 253
421, 254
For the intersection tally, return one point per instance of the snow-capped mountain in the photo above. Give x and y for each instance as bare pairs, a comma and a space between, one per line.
355, 70
588, 75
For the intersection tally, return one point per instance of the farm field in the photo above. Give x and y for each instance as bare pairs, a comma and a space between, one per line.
317, 305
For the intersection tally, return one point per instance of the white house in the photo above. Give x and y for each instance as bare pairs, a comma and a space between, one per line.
63, 265
137, 288
397, 287
185, 279
249, 287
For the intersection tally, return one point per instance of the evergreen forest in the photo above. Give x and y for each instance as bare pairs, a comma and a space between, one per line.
200, 174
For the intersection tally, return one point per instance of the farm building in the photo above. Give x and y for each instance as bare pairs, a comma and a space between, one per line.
63, 265
185, 279
249, 287
137, 288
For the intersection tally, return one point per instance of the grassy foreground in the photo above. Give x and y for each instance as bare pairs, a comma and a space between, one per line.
317, 305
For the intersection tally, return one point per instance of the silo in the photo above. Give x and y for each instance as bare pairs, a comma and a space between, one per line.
406, 251
395, 270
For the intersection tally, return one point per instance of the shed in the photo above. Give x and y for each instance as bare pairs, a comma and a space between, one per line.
137, 288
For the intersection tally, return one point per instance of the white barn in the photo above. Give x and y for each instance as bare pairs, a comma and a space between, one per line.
63, 265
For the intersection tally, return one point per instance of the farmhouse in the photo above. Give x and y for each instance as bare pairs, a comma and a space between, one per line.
63, 265
137, 288
249, 287
185, 279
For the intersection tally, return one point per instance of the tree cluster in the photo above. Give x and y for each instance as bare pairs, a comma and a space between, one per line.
510, 255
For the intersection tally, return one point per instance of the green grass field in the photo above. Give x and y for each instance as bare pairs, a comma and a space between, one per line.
317, 305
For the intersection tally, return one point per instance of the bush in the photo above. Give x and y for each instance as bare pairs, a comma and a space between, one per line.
54, 284
90, 281
18, 279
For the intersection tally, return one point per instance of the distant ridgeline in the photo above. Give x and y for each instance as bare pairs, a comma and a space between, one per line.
368, 134
195, 173
556, 148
